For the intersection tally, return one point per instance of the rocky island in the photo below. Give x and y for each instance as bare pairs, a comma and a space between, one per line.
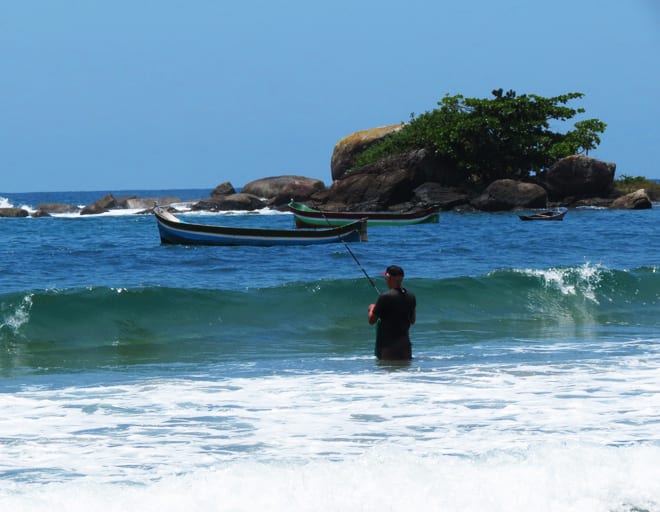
404, 182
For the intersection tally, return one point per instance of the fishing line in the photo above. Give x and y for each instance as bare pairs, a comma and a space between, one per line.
354, 256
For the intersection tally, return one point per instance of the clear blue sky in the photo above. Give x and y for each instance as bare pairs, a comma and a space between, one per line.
152, 94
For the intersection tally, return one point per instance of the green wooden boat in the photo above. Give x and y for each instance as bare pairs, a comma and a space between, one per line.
307, 217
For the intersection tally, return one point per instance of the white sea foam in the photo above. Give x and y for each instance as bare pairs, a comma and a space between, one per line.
572, 436
549, 478
260, 211
582, 280
184, 207
118, 212
15, 317
6, 203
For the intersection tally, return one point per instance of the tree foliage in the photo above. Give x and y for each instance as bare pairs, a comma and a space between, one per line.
507, 136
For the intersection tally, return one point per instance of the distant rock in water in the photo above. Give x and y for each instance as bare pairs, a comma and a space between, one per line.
109, 202
57, 208
224, 189
231, 202
13, 212
133, 203
281, 189
638, 200
100, 206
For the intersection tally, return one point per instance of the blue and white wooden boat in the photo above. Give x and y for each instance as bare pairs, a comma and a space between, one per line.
175, 231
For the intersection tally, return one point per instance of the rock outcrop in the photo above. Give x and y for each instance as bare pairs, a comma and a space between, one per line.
13, 212
502, 195
417, 179
406, 181
280, 190
345, 151
638, 200
445, 198
390, 183
57, 208
224, 189
577, 177
240, 201
100, 206
133, 202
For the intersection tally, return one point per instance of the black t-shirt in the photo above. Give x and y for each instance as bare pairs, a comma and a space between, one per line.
394, 308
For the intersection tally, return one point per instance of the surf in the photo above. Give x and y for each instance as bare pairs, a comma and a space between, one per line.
92, 326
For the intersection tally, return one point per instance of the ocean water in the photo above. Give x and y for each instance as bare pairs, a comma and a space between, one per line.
138, 376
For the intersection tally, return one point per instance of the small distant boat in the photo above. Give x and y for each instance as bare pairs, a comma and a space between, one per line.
175, 231
554, 214
307, 217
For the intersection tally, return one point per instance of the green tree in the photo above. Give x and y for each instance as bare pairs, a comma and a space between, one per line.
508, 136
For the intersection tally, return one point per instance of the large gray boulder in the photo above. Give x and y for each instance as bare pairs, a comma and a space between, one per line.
638, 200
224, 189
578, 176
146, 202
281, 189
422, 166
102, 205
390, 182
502, 195
445, 198
13, 212
57, 208
371, 191
242, 202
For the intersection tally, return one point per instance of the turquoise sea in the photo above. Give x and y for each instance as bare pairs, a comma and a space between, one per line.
138, 376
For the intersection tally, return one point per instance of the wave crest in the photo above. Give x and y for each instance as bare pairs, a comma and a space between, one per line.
151, 324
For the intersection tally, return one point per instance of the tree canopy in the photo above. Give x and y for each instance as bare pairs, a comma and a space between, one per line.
507, 136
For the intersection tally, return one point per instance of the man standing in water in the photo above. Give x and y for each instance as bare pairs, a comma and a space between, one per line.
396, 310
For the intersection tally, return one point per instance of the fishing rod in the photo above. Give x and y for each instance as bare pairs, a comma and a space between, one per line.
354, 256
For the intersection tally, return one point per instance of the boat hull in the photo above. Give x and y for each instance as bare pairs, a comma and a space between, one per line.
174, 231
306, 217
556, 214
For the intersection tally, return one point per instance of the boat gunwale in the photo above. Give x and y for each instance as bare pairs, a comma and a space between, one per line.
255, 235
553, 214
305, 210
